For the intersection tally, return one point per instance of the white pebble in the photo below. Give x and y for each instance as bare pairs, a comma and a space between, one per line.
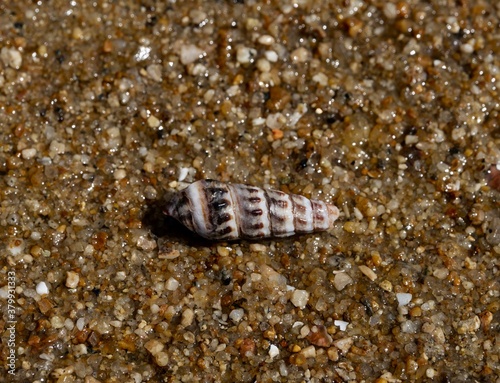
275, 120
119, 174
56, 148
142, 53
68, 323
409, 327
190, 53
467, 47
403, 299
342, 325
56, 322
344, 344
4, 292
72, 279
341, 280
28, 153
273, 351
263, 65
154, 72
172, 284
321, 79
80, 349
11, 57
245, 55
236, 315
80, 324
183, 173
42, 288
258, 121
266, 40
271, 56
300, 55
390, 10
258, 247
153, 122
430, 373
15, 246
300, 298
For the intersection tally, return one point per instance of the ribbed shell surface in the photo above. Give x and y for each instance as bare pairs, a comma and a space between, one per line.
222, 211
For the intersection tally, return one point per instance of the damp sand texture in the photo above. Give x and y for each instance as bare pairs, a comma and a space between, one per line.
388, 110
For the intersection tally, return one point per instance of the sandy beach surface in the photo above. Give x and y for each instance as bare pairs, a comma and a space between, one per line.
387, 109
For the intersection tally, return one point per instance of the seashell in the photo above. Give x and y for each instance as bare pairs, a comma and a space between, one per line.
221, 211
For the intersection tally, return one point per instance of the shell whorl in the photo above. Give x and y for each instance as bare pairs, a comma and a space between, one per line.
221, 211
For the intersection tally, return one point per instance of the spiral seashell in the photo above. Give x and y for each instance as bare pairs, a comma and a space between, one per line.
221, 211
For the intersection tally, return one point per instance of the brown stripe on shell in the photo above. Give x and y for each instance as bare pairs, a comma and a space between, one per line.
302, 211
251, 208
281, 214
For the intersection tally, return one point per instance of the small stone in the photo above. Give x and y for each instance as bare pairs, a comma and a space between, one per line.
275, 280
80, 349
333, 354
171, 254
403, 299
162, 359
42, 288
187, 317
341, 280
119, 174
153, 122
409, 327
172, 284
342, 325
430, 373
469, 326
273, 351
319, 336
368, 272
223, 251
11, 57
266, 40
56, 322
28, 153
344, 344
72, 279
279, 98
144, 242
271, 56
190, 53
386, 285
154, 346
300, 298
309, 352
257, 247
236, 315
57, 147
245, 55
263, 65
321, 79
441, 273
247, 347
15, 246
300, 55
45, 305
154, 72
